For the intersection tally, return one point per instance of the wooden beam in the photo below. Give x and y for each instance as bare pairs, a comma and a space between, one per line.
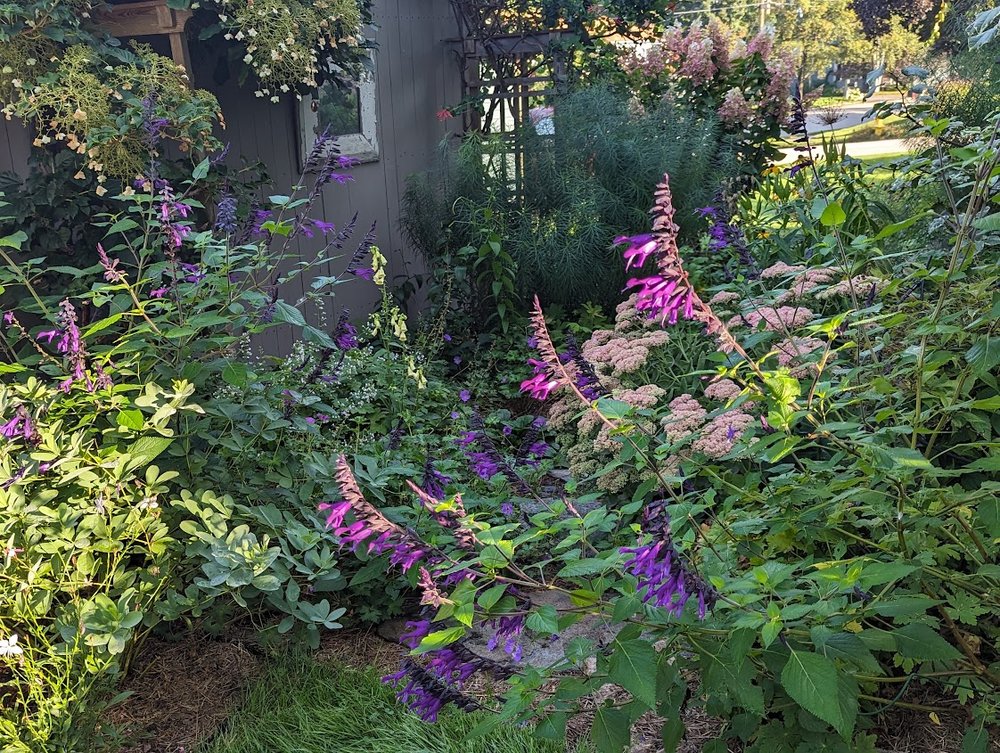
150, 18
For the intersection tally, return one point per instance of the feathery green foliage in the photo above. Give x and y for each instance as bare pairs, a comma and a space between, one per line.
560, 206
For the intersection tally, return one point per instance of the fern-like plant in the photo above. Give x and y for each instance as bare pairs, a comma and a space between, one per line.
559, 201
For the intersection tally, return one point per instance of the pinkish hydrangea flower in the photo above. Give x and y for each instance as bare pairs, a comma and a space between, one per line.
723, 390
735, 110
685, 417
780, 269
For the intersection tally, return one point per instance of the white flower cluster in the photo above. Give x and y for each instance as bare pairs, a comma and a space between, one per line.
284, 39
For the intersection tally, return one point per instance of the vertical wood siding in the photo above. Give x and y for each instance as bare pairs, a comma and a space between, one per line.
416, 76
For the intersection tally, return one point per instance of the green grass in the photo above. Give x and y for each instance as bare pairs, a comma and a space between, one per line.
300, 706
893, 127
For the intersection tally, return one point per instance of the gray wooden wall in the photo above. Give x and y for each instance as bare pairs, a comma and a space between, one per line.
416, 76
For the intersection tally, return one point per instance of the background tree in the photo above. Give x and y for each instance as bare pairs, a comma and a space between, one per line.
916, 15
819, 33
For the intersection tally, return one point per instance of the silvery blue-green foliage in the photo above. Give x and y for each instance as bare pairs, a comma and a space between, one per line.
984, 28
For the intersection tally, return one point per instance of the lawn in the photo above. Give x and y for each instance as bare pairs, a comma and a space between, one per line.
300, 704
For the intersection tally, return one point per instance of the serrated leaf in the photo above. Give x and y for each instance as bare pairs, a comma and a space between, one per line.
587, 566
847, 699
633, 666
919, 641
545, 619
808, 678
610, 731
845, 646
284, 312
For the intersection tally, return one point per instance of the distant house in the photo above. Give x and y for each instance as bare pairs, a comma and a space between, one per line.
389, 122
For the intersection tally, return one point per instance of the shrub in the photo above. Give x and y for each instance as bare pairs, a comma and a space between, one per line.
557, 215
745, 84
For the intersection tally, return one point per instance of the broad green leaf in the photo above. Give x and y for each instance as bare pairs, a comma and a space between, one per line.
989, 513
810, 679
976, 739
201, 169
440, 639
896, 227
633, 666
833, 214
589, 566
673, 733
235, 374
984, 355
735, 680
100, 325
919, 641
488, 598
14, 240
990, 223
126, 223
989, 403
492, 558
613, 409
146, 449
847, 699
902, 457
904, 605
284, 312
545, 619
552, 727
845, 646
130, 419
611, 731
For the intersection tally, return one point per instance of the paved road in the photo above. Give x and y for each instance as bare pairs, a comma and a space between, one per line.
851, 114
859, 150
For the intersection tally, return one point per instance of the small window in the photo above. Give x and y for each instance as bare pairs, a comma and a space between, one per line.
349, 114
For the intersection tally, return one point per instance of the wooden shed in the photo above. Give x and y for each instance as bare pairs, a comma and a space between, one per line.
390, 123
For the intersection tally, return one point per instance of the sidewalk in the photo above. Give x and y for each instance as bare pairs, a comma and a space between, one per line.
858, 150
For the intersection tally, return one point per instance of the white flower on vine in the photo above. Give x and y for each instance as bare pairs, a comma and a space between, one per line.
9, 647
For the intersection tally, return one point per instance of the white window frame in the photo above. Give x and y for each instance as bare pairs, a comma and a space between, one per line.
362, 146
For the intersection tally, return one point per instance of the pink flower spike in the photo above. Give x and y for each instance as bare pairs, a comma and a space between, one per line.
636, 256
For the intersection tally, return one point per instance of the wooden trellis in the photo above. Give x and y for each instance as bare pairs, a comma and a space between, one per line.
509, 63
